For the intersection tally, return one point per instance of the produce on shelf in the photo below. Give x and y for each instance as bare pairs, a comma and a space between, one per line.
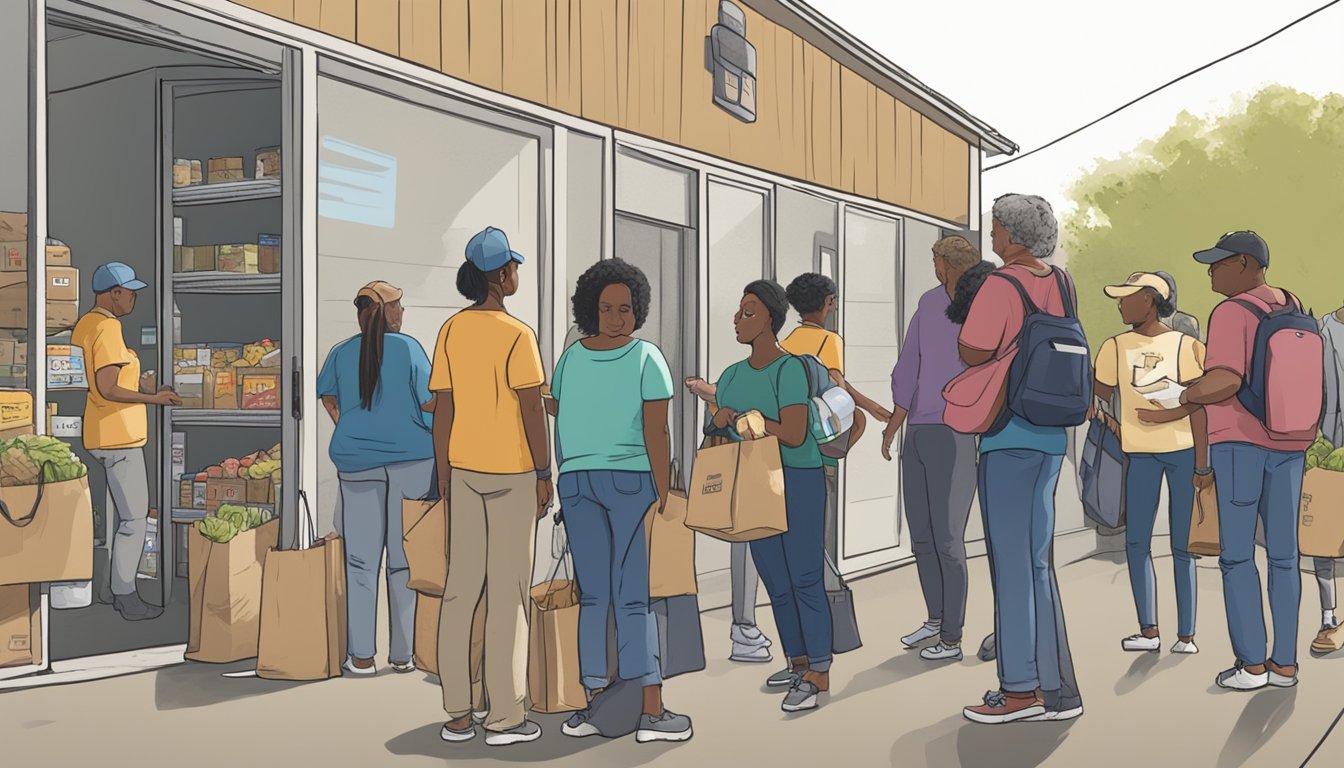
232, 519
23, 457
1323, 455
251, 469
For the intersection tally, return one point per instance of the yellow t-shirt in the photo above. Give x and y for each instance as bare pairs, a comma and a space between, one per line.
1135, 363
826, 346
484, 357
109, 425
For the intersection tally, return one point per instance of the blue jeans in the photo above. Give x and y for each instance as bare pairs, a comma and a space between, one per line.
792, 566
604, 517
1017, 498
1143, 489
371, 507
1254, 481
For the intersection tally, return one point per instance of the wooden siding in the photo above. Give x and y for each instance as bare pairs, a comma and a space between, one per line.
639, 67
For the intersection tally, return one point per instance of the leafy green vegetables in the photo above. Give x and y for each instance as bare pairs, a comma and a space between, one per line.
232, 519
23, 457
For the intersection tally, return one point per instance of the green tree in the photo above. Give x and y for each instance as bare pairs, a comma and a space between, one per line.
1275, 167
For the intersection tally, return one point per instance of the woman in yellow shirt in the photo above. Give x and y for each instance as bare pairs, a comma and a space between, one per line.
1146, 366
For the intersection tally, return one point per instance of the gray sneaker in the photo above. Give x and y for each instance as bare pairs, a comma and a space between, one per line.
802, 697
988, 649
785, 677
579, 726
456, 736
668, 726
519, 734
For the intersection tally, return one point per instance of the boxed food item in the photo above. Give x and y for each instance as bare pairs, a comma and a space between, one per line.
238, 259
224, 490
197, 172
225, 389
268, 163
65, 367
62, 284
58, 253
181, 173
191, 356
14, 256
260, 391
194, 258
223, 355
268, 254
9, 351
224, 169
194, 386
13, 226
260, 491
14, 300
62, 315
16, 410
186, 491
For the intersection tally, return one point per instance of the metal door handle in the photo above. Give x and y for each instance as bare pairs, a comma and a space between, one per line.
296, 391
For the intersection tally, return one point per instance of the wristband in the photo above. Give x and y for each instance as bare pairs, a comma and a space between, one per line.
544, 474
1204, 472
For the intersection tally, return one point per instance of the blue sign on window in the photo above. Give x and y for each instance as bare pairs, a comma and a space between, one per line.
356, 184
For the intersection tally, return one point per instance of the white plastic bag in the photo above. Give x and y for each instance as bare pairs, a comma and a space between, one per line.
66, 595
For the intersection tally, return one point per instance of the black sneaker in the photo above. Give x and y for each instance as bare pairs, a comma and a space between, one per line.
132, 608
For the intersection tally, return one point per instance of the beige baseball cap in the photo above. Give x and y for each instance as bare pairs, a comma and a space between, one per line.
1137, 282
380, 292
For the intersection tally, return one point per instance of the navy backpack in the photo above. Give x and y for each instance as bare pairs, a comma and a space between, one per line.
1050, 380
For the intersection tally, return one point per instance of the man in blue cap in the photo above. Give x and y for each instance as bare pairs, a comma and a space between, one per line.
115, 427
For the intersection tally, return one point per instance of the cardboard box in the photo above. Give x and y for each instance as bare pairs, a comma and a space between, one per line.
268, 163
238, 259
58, 254
260, 391
62, 284
223, 355
13, 226
14, 300
260, 491
195, 386
16, 409
197, 172
191, 356
224, 490
224, 169
194, 258
9, 351
20, 625
268, 254
181, 173
1320, 526
62, 315
14, 256
186, 490
225, 389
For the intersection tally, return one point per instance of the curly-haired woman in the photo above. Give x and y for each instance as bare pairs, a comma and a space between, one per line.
610, 397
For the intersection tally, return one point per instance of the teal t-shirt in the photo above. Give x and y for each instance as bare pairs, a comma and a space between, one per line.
777, 386
1021, 434
601, 396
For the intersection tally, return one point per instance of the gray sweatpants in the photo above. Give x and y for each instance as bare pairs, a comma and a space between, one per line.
128, 500
1325, 580
746, 584
939, 479
371, 502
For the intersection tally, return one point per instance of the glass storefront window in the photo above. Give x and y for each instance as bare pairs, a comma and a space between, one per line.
737, 254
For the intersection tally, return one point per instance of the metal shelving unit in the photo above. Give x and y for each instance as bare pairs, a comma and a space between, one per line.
225, 283
205, 417
226, 192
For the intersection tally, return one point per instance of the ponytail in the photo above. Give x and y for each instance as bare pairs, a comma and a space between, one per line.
373, 327
472, 284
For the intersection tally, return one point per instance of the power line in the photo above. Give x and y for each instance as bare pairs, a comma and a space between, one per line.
1191, 73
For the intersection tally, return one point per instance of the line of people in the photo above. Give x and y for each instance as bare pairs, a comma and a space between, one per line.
470, 422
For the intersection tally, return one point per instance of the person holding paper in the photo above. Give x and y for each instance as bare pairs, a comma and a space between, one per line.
1148, 366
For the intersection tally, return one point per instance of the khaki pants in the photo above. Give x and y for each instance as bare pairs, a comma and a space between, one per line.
492, 521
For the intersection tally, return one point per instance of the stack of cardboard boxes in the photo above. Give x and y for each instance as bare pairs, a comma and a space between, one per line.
62, 287
260, 258
250, 480
222, 170
228, 376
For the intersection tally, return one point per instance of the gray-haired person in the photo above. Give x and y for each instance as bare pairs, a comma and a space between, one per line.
1178, 320
937, 463
1019, 473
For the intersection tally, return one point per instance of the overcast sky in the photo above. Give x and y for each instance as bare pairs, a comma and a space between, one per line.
1036, 69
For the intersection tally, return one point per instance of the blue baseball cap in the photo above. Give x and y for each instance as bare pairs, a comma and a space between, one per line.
1236, 244
114, 274
489, 250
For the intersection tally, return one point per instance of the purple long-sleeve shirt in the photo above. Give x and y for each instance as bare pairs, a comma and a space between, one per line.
928, 361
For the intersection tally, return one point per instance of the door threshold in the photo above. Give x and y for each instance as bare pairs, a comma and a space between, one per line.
100, 667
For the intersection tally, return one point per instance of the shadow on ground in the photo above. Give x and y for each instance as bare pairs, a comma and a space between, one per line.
596, 751
191, 684
903, 666
957, 741
1265, 713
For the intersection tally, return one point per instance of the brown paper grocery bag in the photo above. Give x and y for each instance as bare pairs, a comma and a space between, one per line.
303, 613
1320, 527
1204, 537
20, 625
427, 610
46, 532
737, 491
553, 680
425, 540
225, 593
671, 549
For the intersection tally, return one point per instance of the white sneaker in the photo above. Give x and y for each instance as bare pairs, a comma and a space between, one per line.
1281, 681
750, 645
1141, 643
1183, 647
1238, 679
1056, 715
519, 734
350, 667
929, 631
941, 652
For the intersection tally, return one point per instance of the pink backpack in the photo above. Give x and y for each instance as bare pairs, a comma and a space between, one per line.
1283, 388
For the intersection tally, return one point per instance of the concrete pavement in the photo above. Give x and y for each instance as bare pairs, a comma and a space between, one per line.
887, 706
